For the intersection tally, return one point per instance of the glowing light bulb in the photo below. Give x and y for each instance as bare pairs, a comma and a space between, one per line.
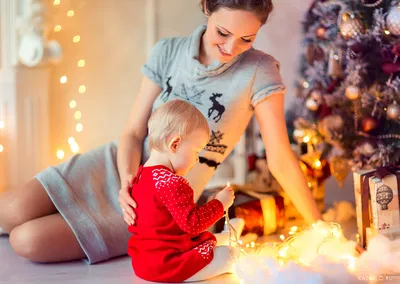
352, 264
57, 28
76, 39
79, 127
306, 139
282, 253
282, 237
70, 13
71, 140
291, 233
294, 228
56, 2
60, 154
78, 115
306, 85
74, 148
72, 104
82, 89
1, 148
81, 63
2, 124
63, 79
228, 184
387, 32
317, 164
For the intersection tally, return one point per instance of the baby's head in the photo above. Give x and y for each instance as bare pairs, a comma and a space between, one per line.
180, 131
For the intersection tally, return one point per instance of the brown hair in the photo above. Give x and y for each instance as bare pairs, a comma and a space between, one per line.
261, 8
175, 117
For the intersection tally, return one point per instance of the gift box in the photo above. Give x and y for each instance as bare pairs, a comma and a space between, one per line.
377, 203
263, 213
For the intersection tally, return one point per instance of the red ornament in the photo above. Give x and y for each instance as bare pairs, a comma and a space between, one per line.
332, 86
324, 111
369, 124
356, 46
396, 48
390, 68
252, 162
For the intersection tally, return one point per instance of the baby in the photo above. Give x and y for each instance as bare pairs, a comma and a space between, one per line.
169, 242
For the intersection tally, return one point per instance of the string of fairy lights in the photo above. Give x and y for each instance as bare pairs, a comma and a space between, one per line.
2, 126
81, 89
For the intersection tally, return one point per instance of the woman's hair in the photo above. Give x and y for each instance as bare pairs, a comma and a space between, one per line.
176, 117
261, 8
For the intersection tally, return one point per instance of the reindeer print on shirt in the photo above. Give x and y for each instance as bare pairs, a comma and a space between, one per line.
167, 93
191, 94
220, 109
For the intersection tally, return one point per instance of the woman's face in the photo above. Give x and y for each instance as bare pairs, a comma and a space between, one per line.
230, 33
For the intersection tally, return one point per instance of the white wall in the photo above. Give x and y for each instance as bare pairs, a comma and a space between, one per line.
178, 17
281, 37
113, 43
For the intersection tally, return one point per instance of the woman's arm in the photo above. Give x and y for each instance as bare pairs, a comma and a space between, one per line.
282, 162
131, 142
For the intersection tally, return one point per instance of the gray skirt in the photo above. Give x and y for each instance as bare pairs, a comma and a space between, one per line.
84, 190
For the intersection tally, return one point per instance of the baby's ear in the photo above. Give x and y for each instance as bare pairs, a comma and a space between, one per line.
173, 144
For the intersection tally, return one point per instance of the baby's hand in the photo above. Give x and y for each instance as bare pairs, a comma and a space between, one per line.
226, 196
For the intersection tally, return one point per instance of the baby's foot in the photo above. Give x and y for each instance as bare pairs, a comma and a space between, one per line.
237, 224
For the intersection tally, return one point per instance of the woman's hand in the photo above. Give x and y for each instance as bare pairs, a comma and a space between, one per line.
126, 201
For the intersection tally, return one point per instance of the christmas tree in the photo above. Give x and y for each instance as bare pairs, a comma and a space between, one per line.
349, 85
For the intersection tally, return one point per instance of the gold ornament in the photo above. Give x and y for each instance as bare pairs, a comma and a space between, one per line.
321, 32
351, 26
393, 20
330, 125
353, 92
335, 69
340, 168
312, 104
393, 111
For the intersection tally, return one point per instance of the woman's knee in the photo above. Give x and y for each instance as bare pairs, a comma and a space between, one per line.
11, 211
26, 203
26, 242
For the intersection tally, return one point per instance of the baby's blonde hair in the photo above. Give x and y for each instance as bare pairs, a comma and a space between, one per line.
176, 117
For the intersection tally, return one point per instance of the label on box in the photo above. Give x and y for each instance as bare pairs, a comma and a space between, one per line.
385, 204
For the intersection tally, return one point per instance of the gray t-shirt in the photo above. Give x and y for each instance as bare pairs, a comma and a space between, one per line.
226, 94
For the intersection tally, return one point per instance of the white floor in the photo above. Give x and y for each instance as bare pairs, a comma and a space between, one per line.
16, 270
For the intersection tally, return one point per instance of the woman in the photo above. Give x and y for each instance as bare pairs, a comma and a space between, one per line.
71, 211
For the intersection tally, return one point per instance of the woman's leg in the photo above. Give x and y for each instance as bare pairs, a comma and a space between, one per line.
223, 262
46, 239
37, 231
24, 204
